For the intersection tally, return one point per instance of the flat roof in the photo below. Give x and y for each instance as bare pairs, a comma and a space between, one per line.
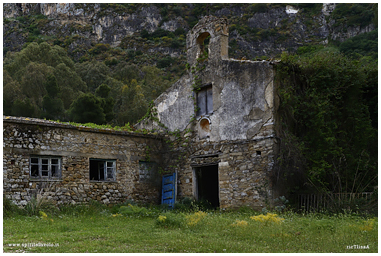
80, 127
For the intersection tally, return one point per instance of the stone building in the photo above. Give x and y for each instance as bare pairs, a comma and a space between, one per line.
70, 164
225, 111
216, 129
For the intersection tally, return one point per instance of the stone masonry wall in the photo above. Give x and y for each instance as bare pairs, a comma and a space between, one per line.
26, 137
244, 171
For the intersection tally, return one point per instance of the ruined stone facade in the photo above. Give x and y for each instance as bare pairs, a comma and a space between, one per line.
62, 162
216, 130
226, 110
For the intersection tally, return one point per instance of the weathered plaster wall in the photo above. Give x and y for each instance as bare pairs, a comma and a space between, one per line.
25, 137
240, 135
243, 101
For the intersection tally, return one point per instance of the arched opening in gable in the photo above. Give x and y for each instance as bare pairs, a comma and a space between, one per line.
203, 43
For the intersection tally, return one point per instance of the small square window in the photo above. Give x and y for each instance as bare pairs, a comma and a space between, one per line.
45, 167
102, 170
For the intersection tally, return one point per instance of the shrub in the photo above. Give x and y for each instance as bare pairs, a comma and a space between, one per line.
165, 62
99, 48
179, 31
176, 44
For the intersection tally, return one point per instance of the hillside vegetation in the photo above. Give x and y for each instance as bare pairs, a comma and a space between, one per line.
54, 76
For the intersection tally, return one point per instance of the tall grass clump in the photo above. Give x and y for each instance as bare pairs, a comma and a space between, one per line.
40, 203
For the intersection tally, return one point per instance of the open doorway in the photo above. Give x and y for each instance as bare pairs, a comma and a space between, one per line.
206, 184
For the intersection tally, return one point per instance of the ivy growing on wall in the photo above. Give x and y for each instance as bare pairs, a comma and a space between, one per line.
328, 143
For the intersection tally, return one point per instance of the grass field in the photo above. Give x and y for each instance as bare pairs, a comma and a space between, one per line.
134, 229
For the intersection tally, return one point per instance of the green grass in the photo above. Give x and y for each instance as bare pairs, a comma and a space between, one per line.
134, 232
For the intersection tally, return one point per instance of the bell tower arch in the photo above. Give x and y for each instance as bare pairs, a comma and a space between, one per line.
209, 36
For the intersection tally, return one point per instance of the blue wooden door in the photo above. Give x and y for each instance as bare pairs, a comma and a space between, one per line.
168, 193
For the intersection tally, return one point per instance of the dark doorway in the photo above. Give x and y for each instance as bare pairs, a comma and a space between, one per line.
207, 184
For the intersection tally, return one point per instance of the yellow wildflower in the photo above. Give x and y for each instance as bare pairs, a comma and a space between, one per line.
43, 215
193, 219
368, 225
161, 218
270, 217
239, 223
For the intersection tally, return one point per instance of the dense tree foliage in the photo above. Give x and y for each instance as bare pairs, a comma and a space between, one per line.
362, 45
52, 105
328, 142
87, 108
42, 81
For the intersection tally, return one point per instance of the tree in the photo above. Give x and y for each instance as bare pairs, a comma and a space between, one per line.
23, 108
107, 102
29, 71
11, 92
87, 108
153, 83
70, 84
52, 105
92, 73
53, 108
126, 72
33, 82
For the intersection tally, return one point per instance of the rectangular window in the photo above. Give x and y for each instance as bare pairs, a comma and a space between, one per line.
45, 167
147, 171
205, 101
102, 170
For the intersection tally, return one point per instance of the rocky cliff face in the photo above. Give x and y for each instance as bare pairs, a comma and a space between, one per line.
252, 34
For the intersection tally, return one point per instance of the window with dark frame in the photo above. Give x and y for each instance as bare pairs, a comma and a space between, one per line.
147, 171
45, 167
102, 170
205, 101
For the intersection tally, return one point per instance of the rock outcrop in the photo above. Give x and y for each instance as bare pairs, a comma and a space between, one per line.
278, 29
